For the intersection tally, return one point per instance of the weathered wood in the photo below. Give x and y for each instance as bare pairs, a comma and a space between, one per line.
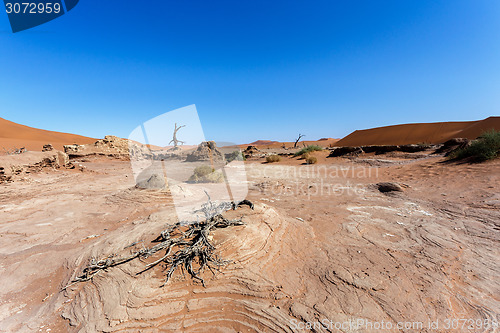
175, 140
190, 241
298, 139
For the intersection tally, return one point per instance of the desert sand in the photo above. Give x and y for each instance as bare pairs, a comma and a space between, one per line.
419, 133
322, 244
13, 135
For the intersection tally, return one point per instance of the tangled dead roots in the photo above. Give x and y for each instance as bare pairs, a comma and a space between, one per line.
184, 244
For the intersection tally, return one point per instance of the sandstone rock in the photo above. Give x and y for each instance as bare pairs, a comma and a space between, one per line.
251, 151
57, 160
47, 147
109, 146
73, 149
62, 159
206, 151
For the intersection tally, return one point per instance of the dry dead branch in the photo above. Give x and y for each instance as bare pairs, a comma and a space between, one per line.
185, 245
298, 139
175, 140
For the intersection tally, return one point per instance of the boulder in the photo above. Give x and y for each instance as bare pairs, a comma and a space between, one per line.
62, 159
206, 151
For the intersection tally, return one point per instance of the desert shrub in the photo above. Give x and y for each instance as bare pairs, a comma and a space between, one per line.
206, 174
311, 160
486, 147
235, 156
273, 158
308, 149
203, 170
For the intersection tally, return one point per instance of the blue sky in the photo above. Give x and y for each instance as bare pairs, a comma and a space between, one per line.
255, 69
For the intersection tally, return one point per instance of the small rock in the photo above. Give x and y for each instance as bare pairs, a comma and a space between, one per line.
389, 187
47, 147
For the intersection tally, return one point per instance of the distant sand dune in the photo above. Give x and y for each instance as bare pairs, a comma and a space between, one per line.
419, 133
16, 135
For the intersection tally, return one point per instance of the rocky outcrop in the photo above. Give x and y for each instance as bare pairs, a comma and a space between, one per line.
206, 151
251, 151
14, 165
109, 146
57, 160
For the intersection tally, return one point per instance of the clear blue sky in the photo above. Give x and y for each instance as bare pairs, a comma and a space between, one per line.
255, 69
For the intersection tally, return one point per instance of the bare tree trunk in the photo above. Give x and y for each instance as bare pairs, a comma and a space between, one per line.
174, 140
298, 139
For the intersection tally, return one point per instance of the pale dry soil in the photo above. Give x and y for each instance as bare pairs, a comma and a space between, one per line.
322, 244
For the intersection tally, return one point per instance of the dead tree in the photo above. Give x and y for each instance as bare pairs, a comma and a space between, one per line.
298, 139
184, 244
174, 140
14, 151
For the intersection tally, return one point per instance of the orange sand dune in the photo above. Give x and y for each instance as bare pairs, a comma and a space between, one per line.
419, 133
16, 135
